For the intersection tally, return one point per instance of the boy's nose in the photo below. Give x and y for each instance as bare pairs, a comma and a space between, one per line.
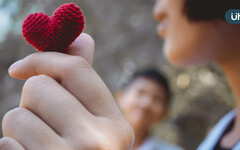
159, 10
146, 102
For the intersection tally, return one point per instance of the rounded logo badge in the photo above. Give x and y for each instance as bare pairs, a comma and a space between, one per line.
232, 16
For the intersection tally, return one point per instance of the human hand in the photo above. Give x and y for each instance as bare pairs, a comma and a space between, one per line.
65, 105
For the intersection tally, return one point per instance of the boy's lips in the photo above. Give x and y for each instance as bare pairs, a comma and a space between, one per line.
162, 29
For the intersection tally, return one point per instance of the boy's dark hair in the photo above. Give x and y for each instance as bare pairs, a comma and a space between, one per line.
153, 74
206, 10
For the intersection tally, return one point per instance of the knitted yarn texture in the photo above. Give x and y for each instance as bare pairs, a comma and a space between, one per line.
54, 33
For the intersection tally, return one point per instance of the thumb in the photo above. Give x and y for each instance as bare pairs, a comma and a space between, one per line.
83, 46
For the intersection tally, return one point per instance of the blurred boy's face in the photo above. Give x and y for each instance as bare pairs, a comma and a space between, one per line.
191, 42
144, 103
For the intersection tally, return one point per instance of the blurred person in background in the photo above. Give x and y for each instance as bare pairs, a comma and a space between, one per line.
194, 35
145, 101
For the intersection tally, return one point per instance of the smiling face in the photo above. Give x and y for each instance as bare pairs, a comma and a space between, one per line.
191, 42
144, 103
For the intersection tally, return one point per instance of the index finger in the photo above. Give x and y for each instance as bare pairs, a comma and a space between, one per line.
75, 74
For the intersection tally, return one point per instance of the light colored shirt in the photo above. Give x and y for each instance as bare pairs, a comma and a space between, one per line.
156, 144
214, 136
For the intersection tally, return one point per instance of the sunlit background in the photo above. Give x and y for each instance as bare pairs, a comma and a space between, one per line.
124, 32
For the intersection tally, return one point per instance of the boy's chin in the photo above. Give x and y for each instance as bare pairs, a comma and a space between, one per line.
173, 58
181, 62
181, 58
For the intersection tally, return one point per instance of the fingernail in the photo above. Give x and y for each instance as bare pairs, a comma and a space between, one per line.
13, 66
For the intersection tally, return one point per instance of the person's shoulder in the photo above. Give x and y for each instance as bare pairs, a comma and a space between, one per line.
160, 144
217, 131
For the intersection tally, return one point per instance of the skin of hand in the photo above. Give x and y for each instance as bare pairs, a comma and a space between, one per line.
64, 105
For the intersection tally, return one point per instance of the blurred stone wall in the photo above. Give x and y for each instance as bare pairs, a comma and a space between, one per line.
124, 32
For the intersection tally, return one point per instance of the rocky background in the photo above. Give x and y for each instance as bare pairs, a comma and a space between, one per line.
124, 32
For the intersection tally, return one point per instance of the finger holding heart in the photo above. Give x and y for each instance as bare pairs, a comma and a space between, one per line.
93, 120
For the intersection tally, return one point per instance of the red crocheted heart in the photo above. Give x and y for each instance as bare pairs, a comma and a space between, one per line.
54, 33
